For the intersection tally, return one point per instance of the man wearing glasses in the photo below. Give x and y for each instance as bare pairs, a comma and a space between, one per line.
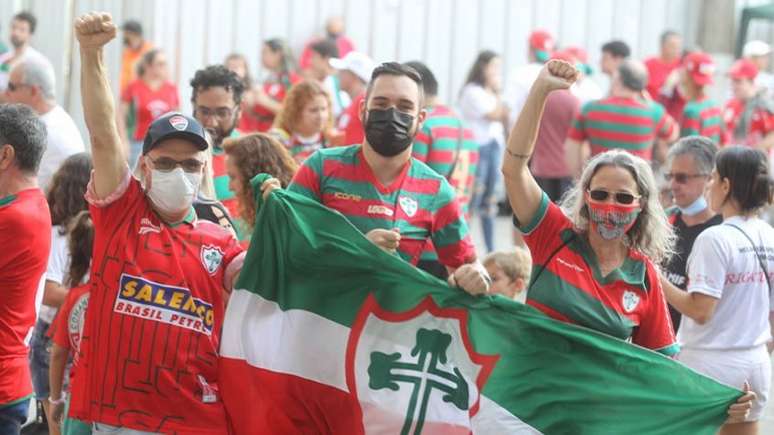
216, 96
690, 162
159, 276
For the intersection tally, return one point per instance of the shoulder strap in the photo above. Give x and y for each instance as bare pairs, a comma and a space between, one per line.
761, 261
460, 137
550, 257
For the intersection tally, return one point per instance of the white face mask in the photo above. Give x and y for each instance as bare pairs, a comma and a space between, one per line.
173, 192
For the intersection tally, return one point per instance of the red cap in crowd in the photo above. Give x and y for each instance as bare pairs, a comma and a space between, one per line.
564, 55
579, 53
743, 69
700, 66
543, 44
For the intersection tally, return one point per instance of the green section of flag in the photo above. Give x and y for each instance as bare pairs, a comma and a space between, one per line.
556, 377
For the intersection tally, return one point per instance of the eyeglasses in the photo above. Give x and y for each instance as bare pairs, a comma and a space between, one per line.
166, 164
681, 177
620, 197
222, 113
13, 87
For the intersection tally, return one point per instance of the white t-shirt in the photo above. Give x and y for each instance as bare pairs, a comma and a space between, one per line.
474, 104
58, 263
339, 98
723, 265
64, 140
765, 80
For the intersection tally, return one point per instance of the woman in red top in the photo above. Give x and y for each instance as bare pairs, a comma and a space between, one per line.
277, 59
145, 99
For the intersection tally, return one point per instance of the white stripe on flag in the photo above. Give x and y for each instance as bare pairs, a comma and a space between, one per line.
255, 329
314, 348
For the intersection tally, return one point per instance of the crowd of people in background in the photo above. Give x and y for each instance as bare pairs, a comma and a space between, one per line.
623, 199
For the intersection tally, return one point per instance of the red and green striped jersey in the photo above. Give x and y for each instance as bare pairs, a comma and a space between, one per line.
567, 285
419, 203
448, 148
300, 149
622, 123
703, 117
221, 179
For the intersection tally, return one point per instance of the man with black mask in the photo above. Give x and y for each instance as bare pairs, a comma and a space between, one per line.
398, 202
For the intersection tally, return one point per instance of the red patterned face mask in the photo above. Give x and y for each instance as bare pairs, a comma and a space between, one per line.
611, 220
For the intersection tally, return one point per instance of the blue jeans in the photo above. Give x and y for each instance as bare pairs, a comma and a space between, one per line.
40, 355
484, 202
13, 416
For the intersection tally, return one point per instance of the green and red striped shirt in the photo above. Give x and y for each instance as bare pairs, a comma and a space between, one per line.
703, 117
221, 179
419, 203
448, 148
567, 285
622, 123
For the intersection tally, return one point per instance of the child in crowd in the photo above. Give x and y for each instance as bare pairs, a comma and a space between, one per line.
510, 272
68, 324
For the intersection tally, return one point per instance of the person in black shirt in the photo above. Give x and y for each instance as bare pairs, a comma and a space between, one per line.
690, 162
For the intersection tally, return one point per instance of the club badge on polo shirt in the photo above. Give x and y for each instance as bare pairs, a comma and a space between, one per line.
409, 205
211, 257
630, 301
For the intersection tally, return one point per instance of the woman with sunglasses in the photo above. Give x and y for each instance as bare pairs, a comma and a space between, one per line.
726, 327
593, 259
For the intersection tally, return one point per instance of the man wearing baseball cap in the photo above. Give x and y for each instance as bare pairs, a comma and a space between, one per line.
749, 115
540, 48
701, 115
759, 53
354, 73
149, 349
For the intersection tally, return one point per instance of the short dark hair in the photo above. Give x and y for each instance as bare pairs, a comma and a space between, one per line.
747, 171
215, 76
325, 48
21, 128
133, 26
617, 48
429, 83
666, 34
29, 18
397, 69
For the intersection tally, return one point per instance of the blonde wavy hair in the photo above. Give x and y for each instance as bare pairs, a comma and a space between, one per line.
293, 106
651, 234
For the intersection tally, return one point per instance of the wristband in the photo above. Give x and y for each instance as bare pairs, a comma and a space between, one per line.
516, 155
59, 401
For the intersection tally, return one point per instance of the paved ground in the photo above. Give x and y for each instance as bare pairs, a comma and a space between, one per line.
504, 241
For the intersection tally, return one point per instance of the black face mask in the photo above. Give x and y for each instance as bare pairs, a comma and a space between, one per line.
389, 131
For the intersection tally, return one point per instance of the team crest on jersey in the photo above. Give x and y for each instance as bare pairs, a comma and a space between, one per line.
409, 205
212, 256
413, 369
630, 301
178, 122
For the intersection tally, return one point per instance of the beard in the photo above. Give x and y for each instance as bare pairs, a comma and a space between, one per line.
16, 42
218, 134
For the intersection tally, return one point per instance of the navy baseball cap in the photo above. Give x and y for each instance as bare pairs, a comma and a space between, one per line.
175, 125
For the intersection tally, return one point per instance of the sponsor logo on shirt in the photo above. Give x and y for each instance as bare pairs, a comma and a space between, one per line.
630, 301
176, 306
572, 266
212, 257
380, 209
347, 196
146, 226
409, 205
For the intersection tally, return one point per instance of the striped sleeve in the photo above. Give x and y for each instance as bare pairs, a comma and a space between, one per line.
578, 130
422, 143
307, 179
450, 234
665, 125
655, 330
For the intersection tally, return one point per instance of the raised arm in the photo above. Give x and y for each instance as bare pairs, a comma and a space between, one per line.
93, 31
524, 193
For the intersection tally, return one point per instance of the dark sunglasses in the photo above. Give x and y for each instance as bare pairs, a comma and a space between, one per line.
620, 197
681, 177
